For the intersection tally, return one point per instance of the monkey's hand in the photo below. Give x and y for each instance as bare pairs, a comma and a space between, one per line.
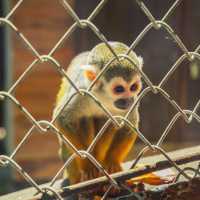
112, 167
89, 171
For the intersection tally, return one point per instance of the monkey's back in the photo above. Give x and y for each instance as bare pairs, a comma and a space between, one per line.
74, 71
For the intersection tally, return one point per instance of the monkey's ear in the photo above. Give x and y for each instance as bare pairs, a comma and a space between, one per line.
90, 75
141, 62
89, 72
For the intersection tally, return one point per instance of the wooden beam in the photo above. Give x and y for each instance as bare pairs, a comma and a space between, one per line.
186, 156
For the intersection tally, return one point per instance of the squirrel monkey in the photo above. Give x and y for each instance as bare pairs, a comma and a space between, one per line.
82, 118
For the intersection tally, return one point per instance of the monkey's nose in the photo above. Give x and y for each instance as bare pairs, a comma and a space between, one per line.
123, 103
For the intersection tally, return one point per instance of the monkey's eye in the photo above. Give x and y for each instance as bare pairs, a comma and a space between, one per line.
118, 89
134, 87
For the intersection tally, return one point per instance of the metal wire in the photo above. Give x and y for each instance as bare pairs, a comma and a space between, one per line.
45, 126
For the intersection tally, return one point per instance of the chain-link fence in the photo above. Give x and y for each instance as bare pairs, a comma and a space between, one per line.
44, 125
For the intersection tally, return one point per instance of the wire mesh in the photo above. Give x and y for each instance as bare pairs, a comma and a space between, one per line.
44, 125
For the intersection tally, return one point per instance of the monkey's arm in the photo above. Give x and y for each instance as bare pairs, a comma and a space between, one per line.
124, 140
104, 142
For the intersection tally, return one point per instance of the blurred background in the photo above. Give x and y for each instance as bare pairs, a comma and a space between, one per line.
44, 22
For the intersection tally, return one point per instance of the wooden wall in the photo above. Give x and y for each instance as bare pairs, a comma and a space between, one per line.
42, 23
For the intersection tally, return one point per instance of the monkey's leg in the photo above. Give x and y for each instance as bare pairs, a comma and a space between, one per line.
121, 146
119, 149
100, 148
90, 171
104, 142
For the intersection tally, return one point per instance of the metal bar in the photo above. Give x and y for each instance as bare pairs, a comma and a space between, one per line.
6, 64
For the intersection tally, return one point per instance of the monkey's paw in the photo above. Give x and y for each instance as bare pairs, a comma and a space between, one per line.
112, 167
90, 173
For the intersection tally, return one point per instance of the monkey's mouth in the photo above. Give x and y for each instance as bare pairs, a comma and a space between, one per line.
124, 103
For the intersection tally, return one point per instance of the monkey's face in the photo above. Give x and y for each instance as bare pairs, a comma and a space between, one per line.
120, 83
118, 94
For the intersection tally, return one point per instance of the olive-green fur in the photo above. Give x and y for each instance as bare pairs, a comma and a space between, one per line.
100, 55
